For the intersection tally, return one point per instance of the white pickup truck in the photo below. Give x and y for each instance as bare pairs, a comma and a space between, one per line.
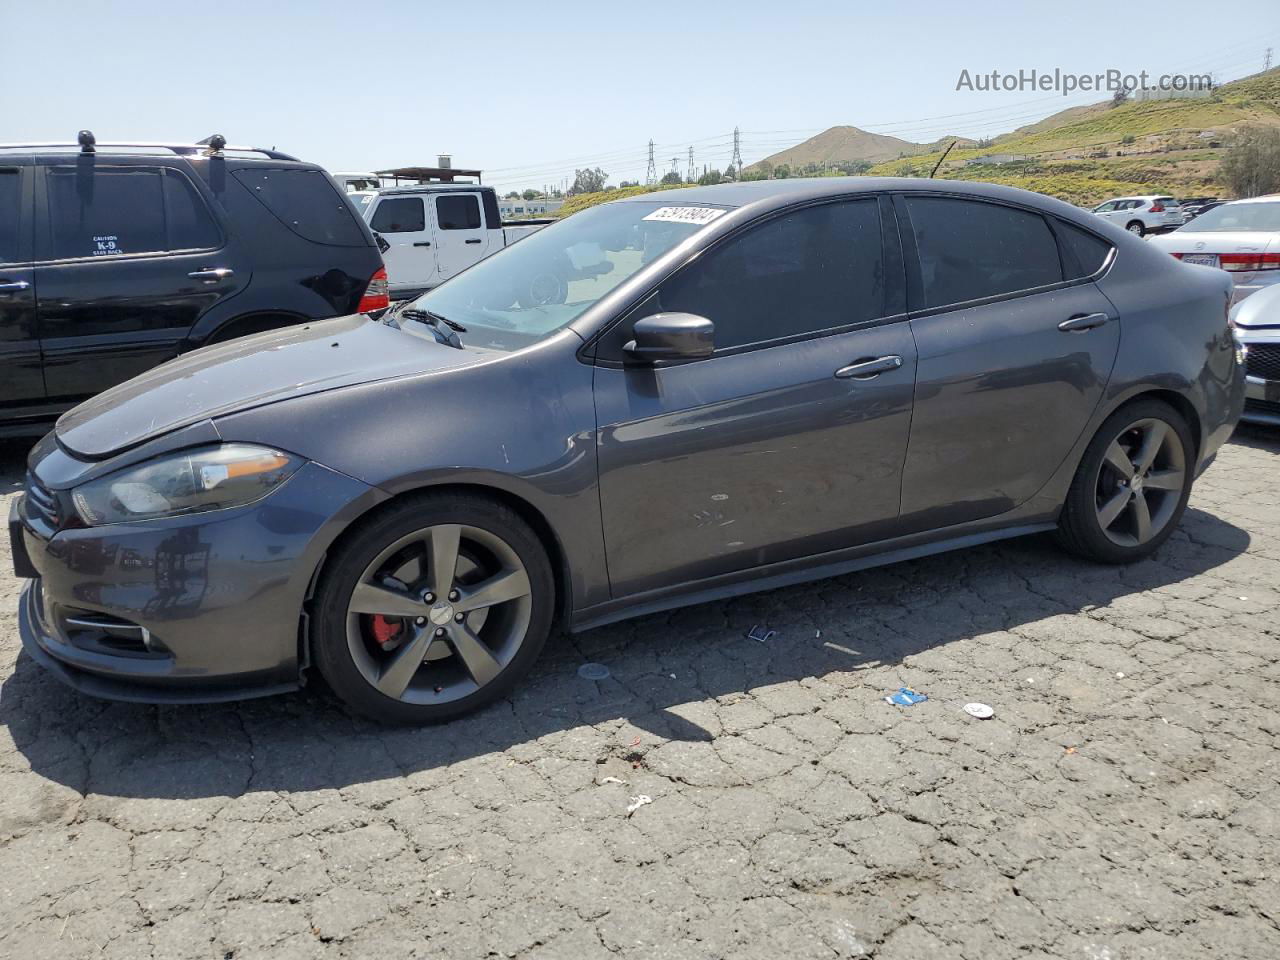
433, 231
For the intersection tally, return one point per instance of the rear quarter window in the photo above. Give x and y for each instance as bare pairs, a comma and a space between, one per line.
10, 200
1083, 254
305, 202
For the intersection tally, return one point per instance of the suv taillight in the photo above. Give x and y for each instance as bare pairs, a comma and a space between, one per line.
375, 294
1157, 207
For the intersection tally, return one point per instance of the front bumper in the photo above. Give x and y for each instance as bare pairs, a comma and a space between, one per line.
201, 608
1261, 401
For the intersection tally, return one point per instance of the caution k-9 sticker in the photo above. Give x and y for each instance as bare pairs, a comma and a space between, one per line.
695, 215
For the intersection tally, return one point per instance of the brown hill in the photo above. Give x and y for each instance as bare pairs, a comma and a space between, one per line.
849, 145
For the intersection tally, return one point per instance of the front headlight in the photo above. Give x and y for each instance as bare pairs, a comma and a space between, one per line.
208, 478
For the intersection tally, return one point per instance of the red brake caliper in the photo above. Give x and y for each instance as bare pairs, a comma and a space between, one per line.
385, 631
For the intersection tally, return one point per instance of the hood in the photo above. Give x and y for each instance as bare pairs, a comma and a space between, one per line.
1259, 310
248, 372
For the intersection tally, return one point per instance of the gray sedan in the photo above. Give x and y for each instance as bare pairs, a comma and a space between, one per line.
660, 401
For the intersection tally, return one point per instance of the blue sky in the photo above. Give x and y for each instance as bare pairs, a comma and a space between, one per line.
527, 91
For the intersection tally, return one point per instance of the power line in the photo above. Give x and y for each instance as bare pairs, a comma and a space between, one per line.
651, 174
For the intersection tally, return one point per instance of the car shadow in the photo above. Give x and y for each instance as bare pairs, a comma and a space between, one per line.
661, 667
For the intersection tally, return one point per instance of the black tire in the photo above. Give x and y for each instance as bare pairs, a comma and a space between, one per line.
1141, 231
348, 563
1080, 527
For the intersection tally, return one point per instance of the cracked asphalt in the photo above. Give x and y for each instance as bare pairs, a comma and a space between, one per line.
1121, 803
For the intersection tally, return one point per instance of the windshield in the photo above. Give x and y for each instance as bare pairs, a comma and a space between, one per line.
1238, 217
534, 287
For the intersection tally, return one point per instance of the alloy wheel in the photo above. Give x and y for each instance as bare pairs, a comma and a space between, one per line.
439, 614
1140, 482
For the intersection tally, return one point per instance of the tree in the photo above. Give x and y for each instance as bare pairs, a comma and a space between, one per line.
513, 195
782, 171
671, 177
1252, 165
588, 181
1121, 96
710, 177
531, 194
628, 183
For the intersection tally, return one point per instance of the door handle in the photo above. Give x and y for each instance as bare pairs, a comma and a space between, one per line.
866, 369
474, 240
13, 286
423, 243
211, 274
1083, 321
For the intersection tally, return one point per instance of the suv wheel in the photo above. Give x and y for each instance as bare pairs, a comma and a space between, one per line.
1136, 226
433, 609
1131, 487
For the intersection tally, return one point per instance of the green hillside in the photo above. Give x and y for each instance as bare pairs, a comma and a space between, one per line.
1086, 155
1083, 155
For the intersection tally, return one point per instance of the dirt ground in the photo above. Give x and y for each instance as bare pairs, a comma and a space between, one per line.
1120, 805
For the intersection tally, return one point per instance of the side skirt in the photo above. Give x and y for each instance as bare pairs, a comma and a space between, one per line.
784, 574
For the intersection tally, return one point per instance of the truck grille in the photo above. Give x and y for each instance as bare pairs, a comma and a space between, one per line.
41, 503
1263, 360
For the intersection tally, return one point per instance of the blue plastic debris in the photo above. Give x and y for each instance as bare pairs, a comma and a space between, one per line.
593, 671
905, 697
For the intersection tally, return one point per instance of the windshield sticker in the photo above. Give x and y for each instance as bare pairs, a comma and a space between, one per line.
695, 215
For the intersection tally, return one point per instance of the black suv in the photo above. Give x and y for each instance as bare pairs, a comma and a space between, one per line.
116, 257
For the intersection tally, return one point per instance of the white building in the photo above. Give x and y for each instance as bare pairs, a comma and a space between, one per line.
518, 207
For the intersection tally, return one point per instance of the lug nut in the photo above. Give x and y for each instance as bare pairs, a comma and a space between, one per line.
428, 597
420, 621
458, 617
453, 594
439, 631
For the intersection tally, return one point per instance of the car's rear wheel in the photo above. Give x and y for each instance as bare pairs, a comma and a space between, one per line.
1132, 485
1136, 226
434, 608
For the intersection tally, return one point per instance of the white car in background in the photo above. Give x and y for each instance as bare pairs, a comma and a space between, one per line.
1241, 237
1142, 215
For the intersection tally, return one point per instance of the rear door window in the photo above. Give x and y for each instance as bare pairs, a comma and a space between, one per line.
814, 269
458, 213
104, 211
190, 225
10, 211
971, 250
305, 202
399, 215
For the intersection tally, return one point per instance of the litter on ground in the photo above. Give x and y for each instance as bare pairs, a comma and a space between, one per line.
905, 697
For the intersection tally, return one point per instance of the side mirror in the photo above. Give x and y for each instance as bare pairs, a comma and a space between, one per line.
672, 336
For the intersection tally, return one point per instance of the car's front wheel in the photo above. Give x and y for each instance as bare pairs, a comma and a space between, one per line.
436, 607
1132, 485
1136, 226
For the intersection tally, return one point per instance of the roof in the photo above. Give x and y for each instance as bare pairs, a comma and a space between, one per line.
789, 191
429, 173
765, 194
428, 188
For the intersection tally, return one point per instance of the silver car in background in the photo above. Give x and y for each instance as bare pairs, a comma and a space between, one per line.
1257, 325
1241, 237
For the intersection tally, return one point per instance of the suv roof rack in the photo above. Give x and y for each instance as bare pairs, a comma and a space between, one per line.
210, 146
